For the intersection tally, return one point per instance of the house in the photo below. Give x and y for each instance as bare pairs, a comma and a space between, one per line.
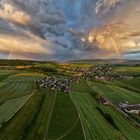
104, 101
135, 112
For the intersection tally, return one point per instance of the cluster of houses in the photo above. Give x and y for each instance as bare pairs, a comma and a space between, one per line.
59, 83
107, 73
130, 108
103, 73
55, 83
98, 73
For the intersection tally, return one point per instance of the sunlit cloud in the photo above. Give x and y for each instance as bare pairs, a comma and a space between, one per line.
69, 29
21, 45
103, 6
8, 12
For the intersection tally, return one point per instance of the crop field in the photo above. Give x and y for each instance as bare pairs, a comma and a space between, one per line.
13, 106
129, 131
134, 83
95, 126
128, 69
40, 127
116, 94
21, 123
81, 87
63, 108
5, 72
4, 75
17, 86
29, 111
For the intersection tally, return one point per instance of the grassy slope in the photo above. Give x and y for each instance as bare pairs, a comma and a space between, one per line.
18, 127
128, 69
10, 107
134, 83
63, 119
40, 127
85, 103
125, 127
17, 86
95, 126
2, 77
81, 87
73, 134
116, 94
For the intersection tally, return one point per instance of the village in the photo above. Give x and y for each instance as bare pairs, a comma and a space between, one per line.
55, 83
63, 83
103, 73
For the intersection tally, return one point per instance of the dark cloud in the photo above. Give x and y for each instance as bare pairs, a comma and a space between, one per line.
60, 29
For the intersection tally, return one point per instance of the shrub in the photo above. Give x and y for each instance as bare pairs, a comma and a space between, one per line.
108, 117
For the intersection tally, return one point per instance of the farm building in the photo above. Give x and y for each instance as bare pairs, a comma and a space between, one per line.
130, 108
104, 101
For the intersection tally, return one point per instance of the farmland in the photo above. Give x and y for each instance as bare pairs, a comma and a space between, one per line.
31, 111
95, 126
13, 106
116, 94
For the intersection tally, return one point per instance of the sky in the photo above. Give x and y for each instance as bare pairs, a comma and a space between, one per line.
69, 29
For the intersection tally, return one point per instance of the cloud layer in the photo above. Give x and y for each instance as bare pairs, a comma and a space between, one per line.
69, 29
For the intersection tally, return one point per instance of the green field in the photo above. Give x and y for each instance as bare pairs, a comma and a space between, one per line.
95, 126
40, 127
17, 86
128, 69
63, 108
13, 106
81, 87
19, 126
134, 83
28, 112
116, 94
129, 131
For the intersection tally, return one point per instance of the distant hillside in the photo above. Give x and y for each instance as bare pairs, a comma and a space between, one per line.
111, 61
4, 62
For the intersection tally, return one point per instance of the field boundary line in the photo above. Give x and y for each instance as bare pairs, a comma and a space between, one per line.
125, 115
79, 118
70, 130
129, 86
49, 117
20, 107
17, 109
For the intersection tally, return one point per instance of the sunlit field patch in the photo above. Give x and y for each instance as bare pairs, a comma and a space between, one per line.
30, 74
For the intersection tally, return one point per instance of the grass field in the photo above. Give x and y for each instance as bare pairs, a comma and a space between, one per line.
40, 127
5, 72
21, 123
81, 87
65, 117
134, 83
129, 131
95, 126
12, 106
3, 76
116, 94
128, 69
28, 112
17, 86
91, 117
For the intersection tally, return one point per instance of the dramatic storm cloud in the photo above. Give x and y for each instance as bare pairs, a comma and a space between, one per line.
69, 29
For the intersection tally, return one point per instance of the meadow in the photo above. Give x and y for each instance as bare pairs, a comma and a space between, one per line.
29, 112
